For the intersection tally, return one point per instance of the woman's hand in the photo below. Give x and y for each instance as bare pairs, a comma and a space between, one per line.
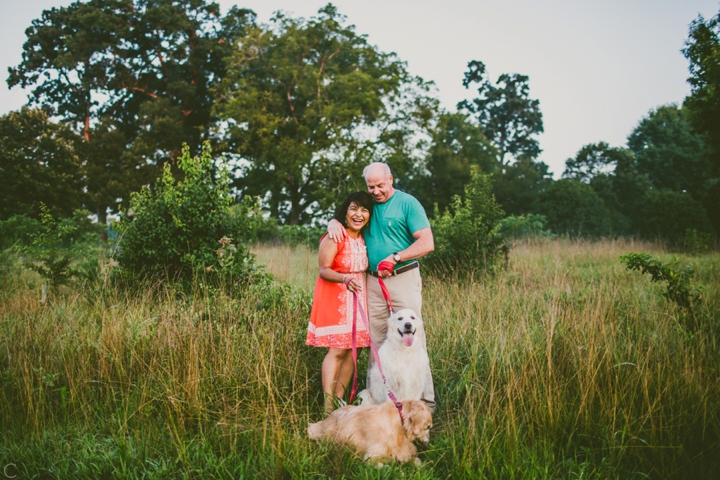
354, 285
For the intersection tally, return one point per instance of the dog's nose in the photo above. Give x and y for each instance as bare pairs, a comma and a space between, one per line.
408, 326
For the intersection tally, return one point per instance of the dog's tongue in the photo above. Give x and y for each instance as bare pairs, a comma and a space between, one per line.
408, 339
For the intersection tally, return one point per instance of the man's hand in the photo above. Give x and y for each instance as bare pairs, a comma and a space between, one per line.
336, 231
387, 273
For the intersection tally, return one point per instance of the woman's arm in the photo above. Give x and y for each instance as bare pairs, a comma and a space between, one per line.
326, 255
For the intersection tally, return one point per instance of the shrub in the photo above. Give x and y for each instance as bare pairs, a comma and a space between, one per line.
679, 288
467, 237
181, 228
525, 226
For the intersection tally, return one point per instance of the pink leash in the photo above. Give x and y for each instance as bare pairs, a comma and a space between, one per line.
356, 307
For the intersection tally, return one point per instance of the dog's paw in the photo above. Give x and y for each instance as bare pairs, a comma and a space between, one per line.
417, 461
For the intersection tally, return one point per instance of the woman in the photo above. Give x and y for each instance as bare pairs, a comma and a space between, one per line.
342, 266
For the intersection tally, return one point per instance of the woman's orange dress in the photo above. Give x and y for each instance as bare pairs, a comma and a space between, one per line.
332, 309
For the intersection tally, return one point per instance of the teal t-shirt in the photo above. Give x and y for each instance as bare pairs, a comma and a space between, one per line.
392, 225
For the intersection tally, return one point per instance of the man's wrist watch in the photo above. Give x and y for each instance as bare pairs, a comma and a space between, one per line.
396, 257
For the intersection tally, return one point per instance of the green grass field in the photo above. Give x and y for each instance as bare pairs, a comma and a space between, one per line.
563, 365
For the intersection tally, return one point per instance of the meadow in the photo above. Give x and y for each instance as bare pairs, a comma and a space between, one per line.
561, 365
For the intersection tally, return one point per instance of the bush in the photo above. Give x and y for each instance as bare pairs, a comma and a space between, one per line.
59, 250
525, 226
678, 280
182, 228
467, 237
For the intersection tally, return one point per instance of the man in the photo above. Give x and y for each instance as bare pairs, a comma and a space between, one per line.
399, 233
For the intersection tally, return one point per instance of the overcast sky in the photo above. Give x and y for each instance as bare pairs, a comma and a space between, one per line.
596, 67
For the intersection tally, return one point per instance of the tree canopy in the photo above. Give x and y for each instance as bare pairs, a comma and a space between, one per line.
38, 164
505, 111
295, 95
133, 77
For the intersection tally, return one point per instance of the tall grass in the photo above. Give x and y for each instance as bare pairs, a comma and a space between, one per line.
564, 365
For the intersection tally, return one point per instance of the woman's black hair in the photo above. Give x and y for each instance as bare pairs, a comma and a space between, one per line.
362, 199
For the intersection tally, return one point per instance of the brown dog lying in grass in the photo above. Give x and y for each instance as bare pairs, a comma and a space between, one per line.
375, 430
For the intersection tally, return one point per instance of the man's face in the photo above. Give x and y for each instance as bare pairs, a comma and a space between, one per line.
380, 186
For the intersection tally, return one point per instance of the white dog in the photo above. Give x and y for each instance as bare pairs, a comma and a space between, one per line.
404, 361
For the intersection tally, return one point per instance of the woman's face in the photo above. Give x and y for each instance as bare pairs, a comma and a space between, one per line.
356, 217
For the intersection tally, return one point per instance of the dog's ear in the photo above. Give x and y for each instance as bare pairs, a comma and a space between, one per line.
417, 418
408, 419
414, 413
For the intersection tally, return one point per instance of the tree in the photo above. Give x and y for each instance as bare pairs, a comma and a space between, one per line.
702, 49
674, 156
38, 164
593, 160
612, 173
505, 111
573, 207
296, 93
457, 145
518, 186
135, 75
670, 153
669, 214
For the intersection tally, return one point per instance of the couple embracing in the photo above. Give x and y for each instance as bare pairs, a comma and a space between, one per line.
384, 225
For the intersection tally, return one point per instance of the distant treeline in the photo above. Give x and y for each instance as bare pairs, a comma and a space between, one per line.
299, 106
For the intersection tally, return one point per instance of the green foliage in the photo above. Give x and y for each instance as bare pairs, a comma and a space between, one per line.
295, 96
673, 156
613, 176
38, 164
467, 238
696, 243
294, 235
668, 214
250, 223
508, 116
182, 228
525, 226
593, 160
17, 230
679, 287
702, 49
49, 253
457, 144
134, 78
670, 152
517, 186
573, 208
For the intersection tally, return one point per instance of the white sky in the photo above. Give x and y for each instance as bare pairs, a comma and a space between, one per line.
596, 67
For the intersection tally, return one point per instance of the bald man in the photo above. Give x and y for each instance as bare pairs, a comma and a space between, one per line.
399, 233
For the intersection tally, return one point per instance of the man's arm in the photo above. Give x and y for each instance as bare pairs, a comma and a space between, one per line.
424, 243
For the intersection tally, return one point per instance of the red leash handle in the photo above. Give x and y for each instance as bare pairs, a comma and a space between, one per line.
387, 266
